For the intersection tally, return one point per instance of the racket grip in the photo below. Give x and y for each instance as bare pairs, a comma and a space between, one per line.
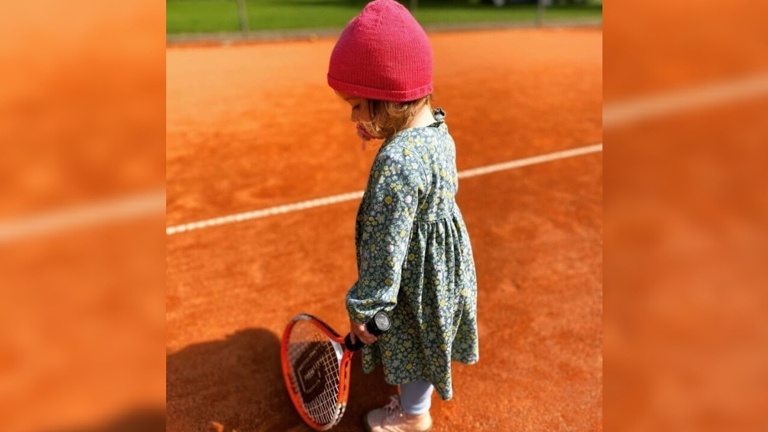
379, 324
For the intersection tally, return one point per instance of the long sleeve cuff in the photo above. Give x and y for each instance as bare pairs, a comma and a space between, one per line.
361, 308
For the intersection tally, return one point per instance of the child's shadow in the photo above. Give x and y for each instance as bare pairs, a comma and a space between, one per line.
236, 384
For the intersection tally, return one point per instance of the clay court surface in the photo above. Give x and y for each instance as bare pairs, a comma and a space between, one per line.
252, 127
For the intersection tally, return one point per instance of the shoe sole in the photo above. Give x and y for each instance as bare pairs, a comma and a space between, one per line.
368, 426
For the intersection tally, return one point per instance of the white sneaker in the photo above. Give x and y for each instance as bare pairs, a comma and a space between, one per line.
392, 418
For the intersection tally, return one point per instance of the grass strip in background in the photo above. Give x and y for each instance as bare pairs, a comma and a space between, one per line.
216, 16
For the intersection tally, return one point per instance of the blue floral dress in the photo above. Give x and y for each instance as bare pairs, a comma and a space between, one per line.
415, 261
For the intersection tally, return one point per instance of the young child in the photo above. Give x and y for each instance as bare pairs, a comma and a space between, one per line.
413, 252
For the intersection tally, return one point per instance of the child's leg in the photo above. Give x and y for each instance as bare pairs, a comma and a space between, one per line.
416, 397
410, 413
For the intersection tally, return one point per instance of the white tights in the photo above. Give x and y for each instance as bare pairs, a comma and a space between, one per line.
416, 397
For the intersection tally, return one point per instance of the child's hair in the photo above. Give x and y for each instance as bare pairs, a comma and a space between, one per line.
389, 118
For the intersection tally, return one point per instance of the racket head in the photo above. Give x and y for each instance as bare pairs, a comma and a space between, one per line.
316, 370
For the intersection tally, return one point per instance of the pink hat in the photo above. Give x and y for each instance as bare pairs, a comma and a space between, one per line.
383, 54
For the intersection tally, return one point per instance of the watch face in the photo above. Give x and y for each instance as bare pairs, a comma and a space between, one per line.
382, 321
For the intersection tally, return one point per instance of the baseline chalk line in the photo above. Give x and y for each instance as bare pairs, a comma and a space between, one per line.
617, 114
321, 202
114, 210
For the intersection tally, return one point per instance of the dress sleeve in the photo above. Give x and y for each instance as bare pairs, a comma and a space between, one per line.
387, 222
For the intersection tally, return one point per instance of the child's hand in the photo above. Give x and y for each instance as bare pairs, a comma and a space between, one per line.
358, 331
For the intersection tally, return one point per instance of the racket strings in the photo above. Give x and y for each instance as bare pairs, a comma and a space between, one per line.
315, 372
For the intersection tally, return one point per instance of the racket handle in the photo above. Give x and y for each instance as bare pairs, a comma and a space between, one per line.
376, 326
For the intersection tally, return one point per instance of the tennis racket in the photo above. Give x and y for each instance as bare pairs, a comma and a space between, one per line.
316, 367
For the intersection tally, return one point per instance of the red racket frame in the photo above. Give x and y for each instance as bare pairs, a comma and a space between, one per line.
344, 368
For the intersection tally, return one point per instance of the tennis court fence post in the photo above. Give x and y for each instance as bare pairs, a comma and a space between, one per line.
540, 13
242, 12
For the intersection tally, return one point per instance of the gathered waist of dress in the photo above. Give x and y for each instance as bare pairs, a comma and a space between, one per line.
448, 213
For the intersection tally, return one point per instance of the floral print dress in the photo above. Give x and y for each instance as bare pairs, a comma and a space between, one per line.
415, 261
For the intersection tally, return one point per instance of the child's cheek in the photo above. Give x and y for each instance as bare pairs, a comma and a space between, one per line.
362, 133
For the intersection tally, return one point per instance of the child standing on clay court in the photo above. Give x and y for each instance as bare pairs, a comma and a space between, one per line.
413, 252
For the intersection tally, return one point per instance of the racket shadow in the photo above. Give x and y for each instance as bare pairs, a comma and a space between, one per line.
234, 384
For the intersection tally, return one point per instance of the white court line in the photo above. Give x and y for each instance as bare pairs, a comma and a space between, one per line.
320, 202
621, 113
530, 161
615, 114
115, 210
256, 214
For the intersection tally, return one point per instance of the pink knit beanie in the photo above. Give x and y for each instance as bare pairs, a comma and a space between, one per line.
383, 54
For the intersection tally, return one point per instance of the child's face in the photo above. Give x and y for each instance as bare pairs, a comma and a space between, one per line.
359, 108
360, 115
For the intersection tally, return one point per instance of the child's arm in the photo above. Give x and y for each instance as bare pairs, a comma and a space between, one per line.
394, 190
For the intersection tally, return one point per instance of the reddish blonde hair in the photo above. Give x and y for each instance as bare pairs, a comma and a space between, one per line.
389, 118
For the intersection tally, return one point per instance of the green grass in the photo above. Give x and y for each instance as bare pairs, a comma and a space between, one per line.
202, 16
511, 13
